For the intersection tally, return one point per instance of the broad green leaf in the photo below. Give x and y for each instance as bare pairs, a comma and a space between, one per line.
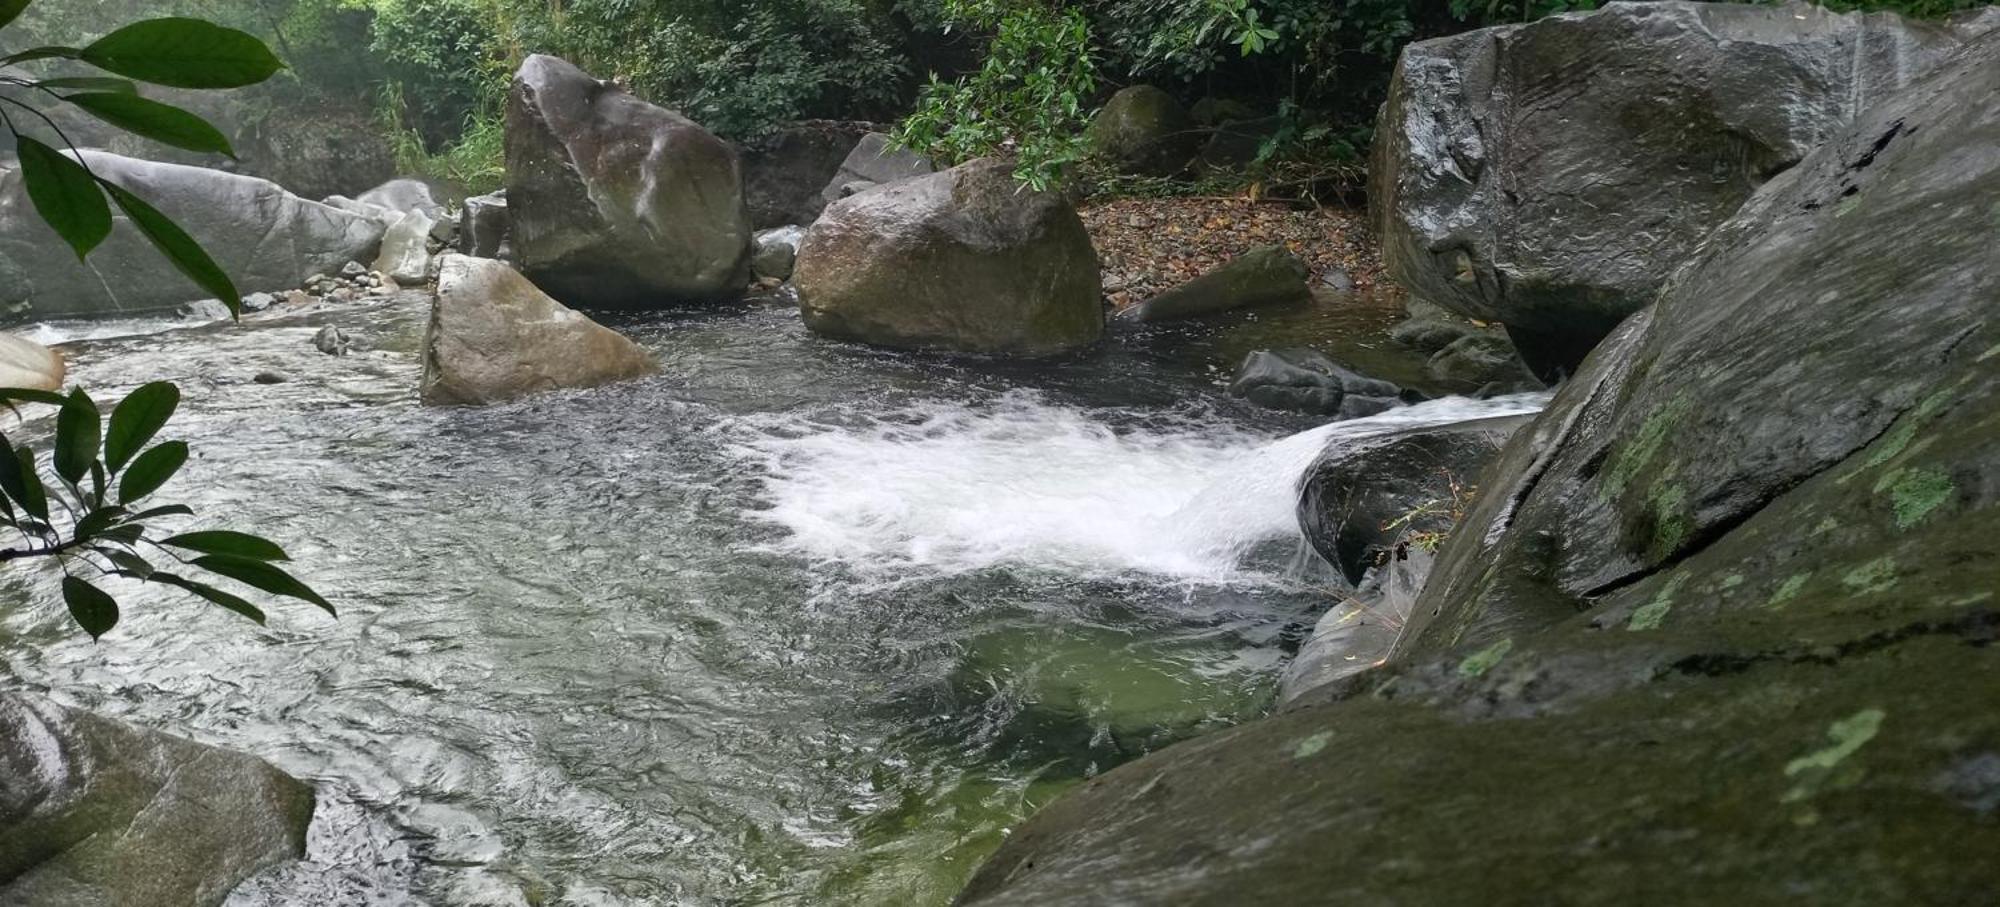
79, 430
98, 481
40, 53
178, 247
262, 576
10, 10
183, 53
151, 470
137, 419
65, 195
31, 395
138, 567
95, 522
26, 486
236, 544
163, 123
129, 534
169, 510
226, 600
94, 611
10, 474
88, 83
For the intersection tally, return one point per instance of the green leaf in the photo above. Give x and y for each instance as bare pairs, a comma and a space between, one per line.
163, 123
236, 544
178, 247
88, 83
96, 521
79, 430
65, 195
94, 611
262, 576
226, 600
10, 10
26, 486
40, 53
169, 510
183, 53
31, 395
151, 470
129, 534
138, 567
137, 419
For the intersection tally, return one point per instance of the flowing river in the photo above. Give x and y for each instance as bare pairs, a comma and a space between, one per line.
789, 623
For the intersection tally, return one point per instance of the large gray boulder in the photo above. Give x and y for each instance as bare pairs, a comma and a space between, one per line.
25, 363
494, 337
875, 161
785, 173
615, 202
96, 813
265, 238
967, 260
1306, 381
1719, 627
1143, 130
403, 195
1551, 175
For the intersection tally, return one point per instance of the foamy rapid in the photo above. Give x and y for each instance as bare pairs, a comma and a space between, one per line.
947, 488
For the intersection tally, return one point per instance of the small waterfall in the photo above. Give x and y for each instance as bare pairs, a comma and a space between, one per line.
950, 488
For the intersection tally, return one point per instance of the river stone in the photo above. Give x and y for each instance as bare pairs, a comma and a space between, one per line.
406, 255
401, 196
1143, 130
1429, 336
1306, 381
483, 226
1267, 275
1484, 362
1504, 192
1719, 628
615, 202
27, 364
777, 250
785, 172
265, 238
967, 260
494, 337
875, 161
97, 813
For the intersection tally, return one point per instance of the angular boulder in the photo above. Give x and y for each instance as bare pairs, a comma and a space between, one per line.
616, 203
483, 226
785, 173
777, 251
25, 363
1483, 362
1719, 627
265, 238
1143, 130
494, 337
96, 813
1267, 275
1550, 176
967, 260
406, 254
1306, 381
875, 161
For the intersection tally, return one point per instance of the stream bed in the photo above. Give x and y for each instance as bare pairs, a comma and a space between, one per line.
791, 622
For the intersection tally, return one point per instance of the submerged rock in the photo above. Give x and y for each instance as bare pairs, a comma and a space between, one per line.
966, 260
27, 364
1266, 275
615, 202
1143, 130
1308, 382
96, 813
265, 238
494, 337
874, 162
1504, 192
777, 250
1719, 626
785, 173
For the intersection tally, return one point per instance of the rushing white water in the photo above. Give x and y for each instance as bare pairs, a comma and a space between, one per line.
1023, 483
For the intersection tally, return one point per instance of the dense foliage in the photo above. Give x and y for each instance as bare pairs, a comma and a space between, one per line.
86, 513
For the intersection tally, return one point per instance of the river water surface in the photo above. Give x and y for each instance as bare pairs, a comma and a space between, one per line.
789, 623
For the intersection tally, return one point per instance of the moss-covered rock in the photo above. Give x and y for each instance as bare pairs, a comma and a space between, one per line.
1719, 629
1143, 130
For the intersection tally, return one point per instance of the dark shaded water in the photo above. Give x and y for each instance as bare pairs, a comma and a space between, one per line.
790, 623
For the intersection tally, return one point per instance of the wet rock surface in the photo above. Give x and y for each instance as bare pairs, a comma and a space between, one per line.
874, 161
964, 260
616, 203
1266, 275
1307, 381
493, 337
785, 173
96, 813
1504, 192
1719, 626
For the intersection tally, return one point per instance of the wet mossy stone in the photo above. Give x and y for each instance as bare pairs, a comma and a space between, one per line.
97, 813
1266, 275
1309, 382
1719, 629
1143, 130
